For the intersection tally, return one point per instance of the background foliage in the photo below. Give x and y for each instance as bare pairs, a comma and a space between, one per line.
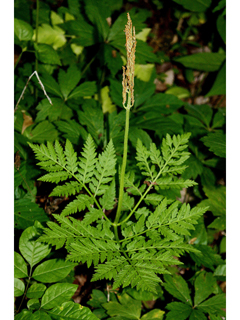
78, 49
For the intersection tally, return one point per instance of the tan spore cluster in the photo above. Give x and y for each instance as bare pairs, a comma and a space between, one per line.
128, 71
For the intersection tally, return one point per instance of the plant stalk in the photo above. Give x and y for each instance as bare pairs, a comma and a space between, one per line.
124, 162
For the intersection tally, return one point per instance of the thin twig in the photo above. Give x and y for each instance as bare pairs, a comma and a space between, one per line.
42, 86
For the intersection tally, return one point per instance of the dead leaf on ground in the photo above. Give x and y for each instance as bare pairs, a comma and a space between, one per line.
27, 121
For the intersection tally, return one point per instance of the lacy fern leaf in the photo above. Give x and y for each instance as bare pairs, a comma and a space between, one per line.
152, 227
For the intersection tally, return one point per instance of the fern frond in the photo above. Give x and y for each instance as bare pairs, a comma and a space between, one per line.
108, 199
143, 163
132, 187
87, 161
110, 269
68, 189
174, 183
104, 170
93, 251
79, 204
71, 157
68, 230
55, 176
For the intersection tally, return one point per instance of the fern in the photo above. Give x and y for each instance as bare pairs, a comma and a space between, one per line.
153, 228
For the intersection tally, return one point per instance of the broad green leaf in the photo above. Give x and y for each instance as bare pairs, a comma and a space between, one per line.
198, 315
202, 112
58, 110
52, 270
107, 105
153, 314
32, 250
92, 117
216, 201
216, 142
178, 311
144, 53
144, 71
219, 223
97, 12
69, 79
83, 31
51, 85
122, 308
204, 286
44, 131
219, 85
85, 89
53, 36
136, 134
206, 257
36, 291
97, 299
72, 311
20, 266
57, 294
220, 6
218, 119
19, 287
72, 130
196, 5
162, 103
138, 18
143, 90
195, 168
220, 271
112, 59
33, 304
214, 304
27, 212
155, 121
179, 92
221, 26
178, 287
23, 30
40, 315
24, 315
46, 54
144, 295
204, 61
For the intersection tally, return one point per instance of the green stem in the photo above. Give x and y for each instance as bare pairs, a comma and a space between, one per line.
18, 59
29, 278
124, 162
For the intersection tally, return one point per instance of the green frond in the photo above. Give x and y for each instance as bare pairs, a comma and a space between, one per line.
104, 170
110, 269
71, 157
128, 202
143, 163
132, 186
79, 204
55, 177
93, 251
174, 183
93, 215
87, 161
68, 189
108, 199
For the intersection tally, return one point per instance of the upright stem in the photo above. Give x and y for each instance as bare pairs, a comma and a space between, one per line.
124, 162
